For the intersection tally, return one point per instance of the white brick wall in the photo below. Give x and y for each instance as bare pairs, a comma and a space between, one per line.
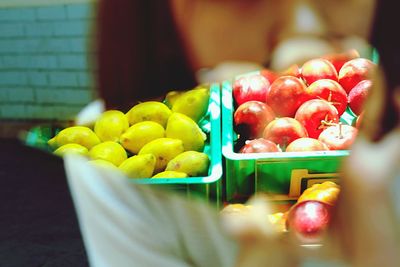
44, 67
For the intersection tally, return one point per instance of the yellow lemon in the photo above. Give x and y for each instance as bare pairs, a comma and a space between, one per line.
171, 97
71, 148
149, 111
191, 162
193, 103
182, 127
140, 134
110, 125
109, 151
139, 166
164, 149
170, 174
81, 135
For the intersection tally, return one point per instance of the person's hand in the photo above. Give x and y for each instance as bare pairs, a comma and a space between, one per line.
367, 225
366, 230
261, 243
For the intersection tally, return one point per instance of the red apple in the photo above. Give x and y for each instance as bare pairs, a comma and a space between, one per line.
308, 220
285, 95
306, 144
251, 117
338, 59
358, 95
250, 87
259, 145
338, 137
317, 69
283, 131
315, 115
293, 70
330, 91
354, 71
270, 75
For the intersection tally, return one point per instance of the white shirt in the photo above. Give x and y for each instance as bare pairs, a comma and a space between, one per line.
127, 224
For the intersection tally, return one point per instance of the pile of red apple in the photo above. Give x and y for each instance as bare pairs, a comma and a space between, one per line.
299, 109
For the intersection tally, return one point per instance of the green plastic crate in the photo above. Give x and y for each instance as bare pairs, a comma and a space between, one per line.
278, 173
208, 187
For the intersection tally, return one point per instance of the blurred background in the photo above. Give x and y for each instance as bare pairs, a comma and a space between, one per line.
45, 69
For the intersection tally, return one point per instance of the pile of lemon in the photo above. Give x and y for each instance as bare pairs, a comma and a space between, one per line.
152, 140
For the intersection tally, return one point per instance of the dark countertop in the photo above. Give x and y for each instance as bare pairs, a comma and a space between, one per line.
37, 218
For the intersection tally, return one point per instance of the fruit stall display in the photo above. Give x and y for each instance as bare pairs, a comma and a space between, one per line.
281, 133
174, 144
284, 131
306, 220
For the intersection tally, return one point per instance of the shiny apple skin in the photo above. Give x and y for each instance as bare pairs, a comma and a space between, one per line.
259, 145
251, 87
330, 91
283, 131
306, 144
251, 117
286, 94
354, 71
317, 69
312, 115
308, 220
339, 59
358, 95
337, 139
270, 75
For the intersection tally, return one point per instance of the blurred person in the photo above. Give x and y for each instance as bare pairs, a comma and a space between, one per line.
366, 227
368, 213
168, 46
147, 48
165, 46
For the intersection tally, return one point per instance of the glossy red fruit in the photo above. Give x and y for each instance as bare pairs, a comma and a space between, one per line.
283, 131
250, 87
339, 137
315, 115
251, 117
354, 71
339, 59
308, 220
259, 145
293, 70
317, 69
358, 95
330, 91
306, 144
270, 75
285, 95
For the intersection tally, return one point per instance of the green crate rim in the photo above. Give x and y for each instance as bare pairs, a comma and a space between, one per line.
228, 139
